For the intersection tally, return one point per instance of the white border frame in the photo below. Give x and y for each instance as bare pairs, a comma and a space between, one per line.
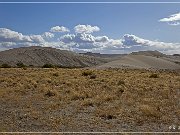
88, 2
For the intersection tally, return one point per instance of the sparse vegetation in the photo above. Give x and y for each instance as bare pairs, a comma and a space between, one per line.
55, 74
149, 111
38, 99
5, 66
48, 66
154, 76
87, 73
93, 76
31, 65
20, 65
121, 82
50, 93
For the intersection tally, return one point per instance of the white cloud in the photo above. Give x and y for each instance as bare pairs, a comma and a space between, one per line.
37, 38
83, 38
67, 38
129, 42
7, 35
59, 29
101, 39
86, 29
48, 35
172, 19
133, 42
13, 39
7, 44
84, 42
78, 38
88, 41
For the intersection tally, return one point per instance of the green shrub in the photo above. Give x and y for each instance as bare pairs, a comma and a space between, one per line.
48, 66
68, 67
121, 82
56, 74
93, 76
154, 76
87, 73
31, 65
50, 93
25, 68
5, 66
20, 65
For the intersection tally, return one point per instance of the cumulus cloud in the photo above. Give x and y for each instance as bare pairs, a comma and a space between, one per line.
7, 35
172, 19
102, 39
84, 42
133, 42
37, 38
78, 38
129, 42
13, 39
88, 41
59, 29
86, 29
68, 38
7, 44
83, 38
48, 35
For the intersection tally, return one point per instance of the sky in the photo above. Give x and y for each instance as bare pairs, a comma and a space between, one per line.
104, 28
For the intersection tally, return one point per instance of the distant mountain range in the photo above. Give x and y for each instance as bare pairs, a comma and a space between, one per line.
38, 56
109, 57
149, 53
142, 62
139, 60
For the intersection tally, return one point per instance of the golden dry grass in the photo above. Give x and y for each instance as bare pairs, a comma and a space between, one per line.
38, 99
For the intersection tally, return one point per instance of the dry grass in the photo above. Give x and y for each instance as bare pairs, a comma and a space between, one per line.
73, 100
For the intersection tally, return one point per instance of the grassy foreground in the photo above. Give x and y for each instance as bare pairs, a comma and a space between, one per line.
36, 99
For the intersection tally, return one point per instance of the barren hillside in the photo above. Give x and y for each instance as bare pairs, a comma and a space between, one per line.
38, 56
141, 61
149, 53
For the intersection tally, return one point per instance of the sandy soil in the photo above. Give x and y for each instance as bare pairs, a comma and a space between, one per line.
141, 62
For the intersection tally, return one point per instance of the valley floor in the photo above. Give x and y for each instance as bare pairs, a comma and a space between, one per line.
89, 100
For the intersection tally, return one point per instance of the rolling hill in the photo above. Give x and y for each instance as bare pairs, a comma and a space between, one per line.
138, 61
38, 56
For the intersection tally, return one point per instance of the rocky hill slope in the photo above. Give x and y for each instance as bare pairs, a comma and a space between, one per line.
38, 56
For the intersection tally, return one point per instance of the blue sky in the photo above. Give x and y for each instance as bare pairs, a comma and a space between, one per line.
113, 20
